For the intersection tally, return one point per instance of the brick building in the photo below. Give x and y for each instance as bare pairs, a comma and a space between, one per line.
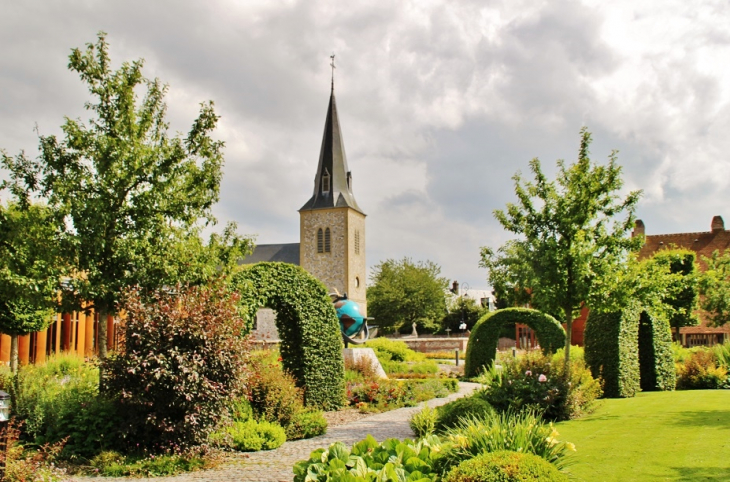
704, 244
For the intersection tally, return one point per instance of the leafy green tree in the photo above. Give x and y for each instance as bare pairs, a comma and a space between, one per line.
682, 290
132, 197
461, 309
570, 236
715, 287
30, 271
403, 292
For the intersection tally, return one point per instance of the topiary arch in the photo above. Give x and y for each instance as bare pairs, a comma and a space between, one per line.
482, 347
656, 361
311, 343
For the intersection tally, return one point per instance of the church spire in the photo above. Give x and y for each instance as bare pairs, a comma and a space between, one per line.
333, 180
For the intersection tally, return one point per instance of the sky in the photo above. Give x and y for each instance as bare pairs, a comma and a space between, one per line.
440, 103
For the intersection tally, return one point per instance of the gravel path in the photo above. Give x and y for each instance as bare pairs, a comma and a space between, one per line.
276, 465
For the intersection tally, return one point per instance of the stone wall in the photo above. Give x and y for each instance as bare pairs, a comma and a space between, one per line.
329, 268
356, 266
430, 345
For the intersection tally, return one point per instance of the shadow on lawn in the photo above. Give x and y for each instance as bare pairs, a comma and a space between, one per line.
702, 473
704, 418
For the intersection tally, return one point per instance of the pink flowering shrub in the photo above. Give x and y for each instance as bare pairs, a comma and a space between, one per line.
536, 382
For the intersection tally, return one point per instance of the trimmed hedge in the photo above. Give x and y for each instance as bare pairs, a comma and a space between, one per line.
612, 350
505, 466
482, 347
656, 362
311, 343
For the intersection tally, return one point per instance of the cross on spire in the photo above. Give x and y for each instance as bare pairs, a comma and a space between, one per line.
332, 64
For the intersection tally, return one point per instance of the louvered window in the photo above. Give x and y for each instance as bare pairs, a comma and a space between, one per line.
327, 240
357, 242
325, 182
320, 241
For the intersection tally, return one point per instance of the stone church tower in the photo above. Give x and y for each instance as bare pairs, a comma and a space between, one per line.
331, 224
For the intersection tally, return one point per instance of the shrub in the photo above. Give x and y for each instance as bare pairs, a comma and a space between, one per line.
311, 342
395, 368
405, 461
252, 436
505, 466
722, 355
700, 372
423, 422
386, 394
656, 365
535, 382
387, 350
114, 464
612, 350
21, 465
522, 432
480, 351
469, 407
272, 392
183, 359
60, 401
365, 367
306, 424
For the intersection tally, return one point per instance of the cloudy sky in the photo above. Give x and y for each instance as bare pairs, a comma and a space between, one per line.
440, 102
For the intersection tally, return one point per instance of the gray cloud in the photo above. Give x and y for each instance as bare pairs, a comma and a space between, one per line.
440, 104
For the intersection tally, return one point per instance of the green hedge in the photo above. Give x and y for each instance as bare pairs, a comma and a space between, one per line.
482, 347
506, 466
311, 343
612, 350
656, 363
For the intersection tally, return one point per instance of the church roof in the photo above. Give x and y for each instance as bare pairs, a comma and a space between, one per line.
285, 253
333, 180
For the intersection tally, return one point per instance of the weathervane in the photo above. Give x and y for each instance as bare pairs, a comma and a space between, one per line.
332, 64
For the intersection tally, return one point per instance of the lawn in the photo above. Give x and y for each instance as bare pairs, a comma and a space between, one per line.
682, 435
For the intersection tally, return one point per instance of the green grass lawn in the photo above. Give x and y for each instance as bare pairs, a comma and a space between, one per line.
682, 435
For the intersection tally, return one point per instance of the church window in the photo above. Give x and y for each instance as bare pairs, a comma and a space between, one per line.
325, 182
357, 241
320, 241
327, 240
357, 282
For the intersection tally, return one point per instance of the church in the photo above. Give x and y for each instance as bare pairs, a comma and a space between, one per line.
331, 227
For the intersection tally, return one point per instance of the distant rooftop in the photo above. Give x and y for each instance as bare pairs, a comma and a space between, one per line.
284, 253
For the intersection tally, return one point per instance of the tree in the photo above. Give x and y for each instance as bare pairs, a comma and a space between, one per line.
30, 271
715, 287
403, 292
129, 193
570, 237
683, 290
462, 309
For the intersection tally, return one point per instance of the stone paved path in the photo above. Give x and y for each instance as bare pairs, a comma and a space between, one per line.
276, 465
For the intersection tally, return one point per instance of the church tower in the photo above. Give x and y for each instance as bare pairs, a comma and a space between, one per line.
331, 224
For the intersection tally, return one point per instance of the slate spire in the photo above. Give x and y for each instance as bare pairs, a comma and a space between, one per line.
333, 180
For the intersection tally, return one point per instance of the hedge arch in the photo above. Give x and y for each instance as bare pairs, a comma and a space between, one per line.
612, 350
656, 362
311, 343
482, 347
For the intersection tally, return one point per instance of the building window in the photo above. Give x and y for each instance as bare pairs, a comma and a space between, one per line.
327, 240
325, 182
357, 242
357, 282
320, 241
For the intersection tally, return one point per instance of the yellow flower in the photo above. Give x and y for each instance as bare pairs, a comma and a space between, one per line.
571, 446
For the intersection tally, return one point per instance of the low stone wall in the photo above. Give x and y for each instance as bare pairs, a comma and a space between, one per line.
430, 345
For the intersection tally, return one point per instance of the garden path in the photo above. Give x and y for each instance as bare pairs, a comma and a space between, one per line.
276, 465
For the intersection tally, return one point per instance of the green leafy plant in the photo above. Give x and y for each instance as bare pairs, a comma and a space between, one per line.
386, 394
60, 400
183, 360
520, 432
395, 368
722, 355
423, 422
482, 347
306, 424
250, 436
369, 461
311, 343
505, 466
23, 464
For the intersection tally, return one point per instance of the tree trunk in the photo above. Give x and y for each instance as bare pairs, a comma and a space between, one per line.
14, 353
568, 338
102, 335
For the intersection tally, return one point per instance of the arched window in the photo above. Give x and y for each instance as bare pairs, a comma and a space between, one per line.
320, 241
325, 182
327, 240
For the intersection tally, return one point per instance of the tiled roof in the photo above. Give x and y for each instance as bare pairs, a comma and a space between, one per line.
285, 253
